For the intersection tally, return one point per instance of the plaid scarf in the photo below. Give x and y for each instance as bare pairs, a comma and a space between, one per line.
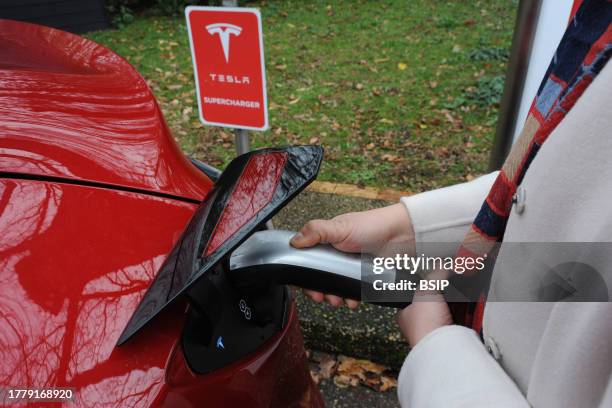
582, 53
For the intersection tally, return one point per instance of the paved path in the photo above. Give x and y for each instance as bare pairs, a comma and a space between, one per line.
356, 397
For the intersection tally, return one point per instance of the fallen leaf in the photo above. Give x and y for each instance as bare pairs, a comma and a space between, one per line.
313, 140
402, 66
389, 157
370, 146
327, 369
344, 381
386, 383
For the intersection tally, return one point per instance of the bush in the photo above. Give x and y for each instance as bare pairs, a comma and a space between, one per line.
487, 93
489, 54
175, 7
122, 11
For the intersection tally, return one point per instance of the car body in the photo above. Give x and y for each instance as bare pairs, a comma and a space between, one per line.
94, 194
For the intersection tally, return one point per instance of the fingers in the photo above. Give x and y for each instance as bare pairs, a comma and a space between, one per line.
331, 299
316, 296
317, 231
334, 300
352, 304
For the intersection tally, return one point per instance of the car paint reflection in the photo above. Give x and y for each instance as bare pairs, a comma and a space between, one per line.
72, 269
62, 103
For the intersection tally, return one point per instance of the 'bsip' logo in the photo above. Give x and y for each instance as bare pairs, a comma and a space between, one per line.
224, 30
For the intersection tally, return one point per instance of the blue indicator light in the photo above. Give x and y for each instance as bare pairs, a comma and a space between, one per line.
220, 345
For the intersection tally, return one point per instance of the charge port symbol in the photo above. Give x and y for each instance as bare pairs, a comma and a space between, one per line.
246, 311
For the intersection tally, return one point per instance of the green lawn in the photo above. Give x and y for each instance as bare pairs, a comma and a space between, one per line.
401, 93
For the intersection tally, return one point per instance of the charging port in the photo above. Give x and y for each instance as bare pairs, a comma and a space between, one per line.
224, 325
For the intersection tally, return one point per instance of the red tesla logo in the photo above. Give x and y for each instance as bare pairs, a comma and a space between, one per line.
227, 52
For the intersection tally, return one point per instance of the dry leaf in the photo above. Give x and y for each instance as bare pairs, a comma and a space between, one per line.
386, 383
344, 381
327, 369
313, 140
402, 66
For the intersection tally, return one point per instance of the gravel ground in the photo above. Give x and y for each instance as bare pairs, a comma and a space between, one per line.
359, 396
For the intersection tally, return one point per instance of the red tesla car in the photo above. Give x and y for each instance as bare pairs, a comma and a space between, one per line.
106, 230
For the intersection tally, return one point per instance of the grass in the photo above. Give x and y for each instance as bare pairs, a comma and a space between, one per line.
402, 94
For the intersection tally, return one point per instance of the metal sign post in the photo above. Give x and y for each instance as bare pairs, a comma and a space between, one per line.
241, 136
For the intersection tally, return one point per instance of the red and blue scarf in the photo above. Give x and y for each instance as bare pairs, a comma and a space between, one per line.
582, 53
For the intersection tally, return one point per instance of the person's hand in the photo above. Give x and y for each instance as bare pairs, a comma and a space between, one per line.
427, 312
355, 232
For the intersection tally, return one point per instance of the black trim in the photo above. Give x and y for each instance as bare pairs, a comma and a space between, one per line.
88, 183
213, 173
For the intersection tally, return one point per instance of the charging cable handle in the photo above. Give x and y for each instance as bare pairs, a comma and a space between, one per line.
267, 258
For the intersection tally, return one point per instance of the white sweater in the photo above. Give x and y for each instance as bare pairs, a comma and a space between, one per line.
538, 354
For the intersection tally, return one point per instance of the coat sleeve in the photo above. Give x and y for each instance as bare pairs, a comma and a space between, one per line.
444, 215
451, 368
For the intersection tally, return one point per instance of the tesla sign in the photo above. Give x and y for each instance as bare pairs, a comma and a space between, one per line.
227, 54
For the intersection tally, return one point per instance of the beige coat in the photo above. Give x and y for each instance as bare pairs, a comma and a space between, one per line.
538, 354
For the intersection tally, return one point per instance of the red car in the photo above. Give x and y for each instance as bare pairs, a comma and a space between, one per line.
98, 206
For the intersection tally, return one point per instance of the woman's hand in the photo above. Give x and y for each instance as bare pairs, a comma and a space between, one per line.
427, 312
355, 232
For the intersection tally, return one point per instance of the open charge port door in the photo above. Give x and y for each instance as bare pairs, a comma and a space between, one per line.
225, 324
